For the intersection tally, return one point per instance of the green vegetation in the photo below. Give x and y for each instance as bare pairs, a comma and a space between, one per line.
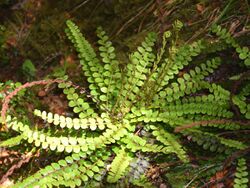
28, 69
241, 174
142, 107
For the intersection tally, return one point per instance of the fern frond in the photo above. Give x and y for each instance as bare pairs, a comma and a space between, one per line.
171, 66
13, 141
118, 166
91, 66
241, 175
68, 144
75, 123
170, 141
241, 101
190, 83
112, 73
223, 34
72, 171
213, 142
71, 144
226, 124
173, 114
136, 143
137, 71
77, 102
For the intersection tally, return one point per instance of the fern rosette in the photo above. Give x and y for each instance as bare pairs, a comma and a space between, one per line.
132, 111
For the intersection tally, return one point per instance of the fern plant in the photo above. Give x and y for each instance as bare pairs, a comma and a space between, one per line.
129, 111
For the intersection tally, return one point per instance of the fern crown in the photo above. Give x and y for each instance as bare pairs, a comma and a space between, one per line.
132, 110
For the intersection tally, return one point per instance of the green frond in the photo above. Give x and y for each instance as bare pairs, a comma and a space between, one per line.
213, 142
137, 71
112, 73
73, 171
190, 83
40, 139
241, 101
118, 166
74, 123
91, 66
170, 141
143, 182
241, 175
243, 106
71, 144
209, 98
209, 121
226, 125
173, 113
213, 46
13, 141
209, 108
172, 65
219, 92
77, 102
223, 34
136, 143
232, 143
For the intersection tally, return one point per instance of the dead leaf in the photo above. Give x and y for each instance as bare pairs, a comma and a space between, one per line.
42, 93
200, 8
12, 42
70, 59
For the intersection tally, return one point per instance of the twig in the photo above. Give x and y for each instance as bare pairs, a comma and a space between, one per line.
78, 6
202, 170
241, 33
25, 159
203, 30
133, 18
